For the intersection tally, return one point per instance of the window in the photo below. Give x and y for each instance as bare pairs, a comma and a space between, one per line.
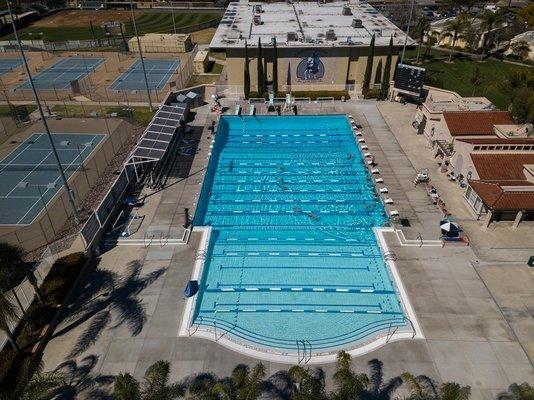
476, 148
498, 148
484, 148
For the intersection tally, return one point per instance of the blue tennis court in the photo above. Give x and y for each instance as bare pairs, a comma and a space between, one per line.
9, 64
158, 72
31, 168
60, 75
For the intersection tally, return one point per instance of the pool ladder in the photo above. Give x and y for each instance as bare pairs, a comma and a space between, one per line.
304, 351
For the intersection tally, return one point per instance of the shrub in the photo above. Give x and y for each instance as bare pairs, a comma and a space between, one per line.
372, 94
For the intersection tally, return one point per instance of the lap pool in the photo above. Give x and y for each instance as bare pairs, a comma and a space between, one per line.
293, 264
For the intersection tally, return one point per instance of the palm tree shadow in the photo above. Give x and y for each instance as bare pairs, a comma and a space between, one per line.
80, 379
108, 301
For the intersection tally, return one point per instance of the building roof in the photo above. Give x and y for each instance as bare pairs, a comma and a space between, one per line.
469, 123
524, 37
502, 167
510, 141
308, 22
498, 199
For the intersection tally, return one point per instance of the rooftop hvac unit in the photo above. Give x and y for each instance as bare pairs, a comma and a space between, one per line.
257, 19
257, 9
330, 35
346, 10
292, 37
357, 23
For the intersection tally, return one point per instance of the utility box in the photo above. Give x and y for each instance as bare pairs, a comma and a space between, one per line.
201, 62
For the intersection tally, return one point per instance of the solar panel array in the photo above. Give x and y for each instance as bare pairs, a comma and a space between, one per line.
160, 132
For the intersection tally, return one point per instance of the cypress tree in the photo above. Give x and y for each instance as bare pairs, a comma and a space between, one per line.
246, 78
275, 68
261, 74
369, 67
386, 77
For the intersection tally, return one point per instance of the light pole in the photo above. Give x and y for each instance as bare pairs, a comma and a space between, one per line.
43, 118
407, 31
140, 55
173, 21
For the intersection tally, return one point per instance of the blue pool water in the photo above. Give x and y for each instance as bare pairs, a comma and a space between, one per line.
292, 255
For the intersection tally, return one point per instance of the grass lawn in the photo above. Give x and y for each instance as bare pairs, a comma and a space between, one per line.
146, 23
456, 76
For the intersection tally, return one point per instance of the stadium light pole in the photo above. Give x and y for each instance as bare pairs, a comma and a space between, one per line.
173, 21
407, 31
140, 55
43, 118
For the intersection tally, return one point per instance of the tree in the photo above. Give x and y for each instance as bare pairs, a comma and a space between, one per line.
261, 74
7, 315
489, 21
387, 71
377, 389
155, 385
455, 27
309, 384
523, 105
12, 265
423, 388
476, 79
244, 384
246, 77
275, 68
348, 383
126, 388
35, 385
526, 15
523, 391
520, 49
430, 41
369, 67
419, 32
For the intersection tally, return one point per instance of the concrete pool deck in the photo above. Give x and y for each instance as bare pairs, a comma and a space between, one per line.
475, 307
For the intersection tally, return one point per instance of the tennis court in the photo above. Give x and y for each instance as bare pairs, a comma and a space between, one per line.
60, 75
9, 64
158, 73
30, 172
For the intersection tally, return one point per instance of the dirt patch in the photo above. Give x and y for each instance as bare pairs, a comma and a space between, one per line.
80, 18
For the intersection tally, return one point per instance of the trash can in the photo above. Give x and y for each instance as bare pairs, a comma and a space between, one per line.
530, 261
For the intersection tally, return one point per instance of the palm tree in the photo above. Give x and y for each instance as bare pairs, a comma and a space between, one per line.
419, 32
348, 383
455, 27
309, 384
423, 388
524, 391
376, 389
246, 76
244, 384
35, 385
155, 385
126, 388
489, 20
12, 264
368, 67
8, 315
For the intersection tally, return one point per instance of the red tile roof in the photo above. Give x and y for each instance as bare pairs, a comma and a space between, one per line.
497, 199
467, 123
501, 167
511, 141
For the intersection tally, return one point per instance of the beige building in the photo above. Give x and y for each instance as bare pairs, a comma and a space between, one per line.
162, 43
320, 47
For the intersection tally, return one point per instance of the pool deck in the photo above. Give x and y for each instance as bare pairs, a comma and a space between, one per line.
474, 304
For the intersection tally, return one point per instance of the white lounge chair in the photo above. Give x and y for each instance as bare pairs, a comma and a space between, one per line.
379, 180
367, 154
365, 147
375, 171
361, 140
388, 200
394, 213
384, 190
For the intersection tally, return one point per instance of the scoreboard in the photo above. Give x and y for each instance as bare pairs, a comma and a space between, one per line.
410, 79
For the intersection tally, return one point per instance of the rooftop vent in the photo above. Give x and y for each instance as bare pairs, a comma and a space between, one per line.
357, 23
257, 19
292, 37
346, 10
330, 35
258, 9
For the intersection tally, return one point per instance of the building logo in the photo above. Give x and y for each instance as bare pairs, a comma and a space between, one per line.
310, 68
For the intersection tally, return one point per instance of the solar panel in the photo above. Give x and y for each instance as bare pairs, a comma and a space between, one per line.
159, 133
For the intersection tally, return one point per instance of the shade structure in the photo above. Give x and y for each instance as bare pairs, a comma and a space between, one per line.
449, 228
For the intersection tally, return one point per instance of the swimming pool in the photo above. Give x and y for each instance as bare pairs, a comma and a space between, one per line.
292, 259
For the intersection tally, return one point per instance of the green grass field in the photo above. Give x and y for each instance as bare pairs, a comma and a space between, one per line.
146, 23
456, 76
